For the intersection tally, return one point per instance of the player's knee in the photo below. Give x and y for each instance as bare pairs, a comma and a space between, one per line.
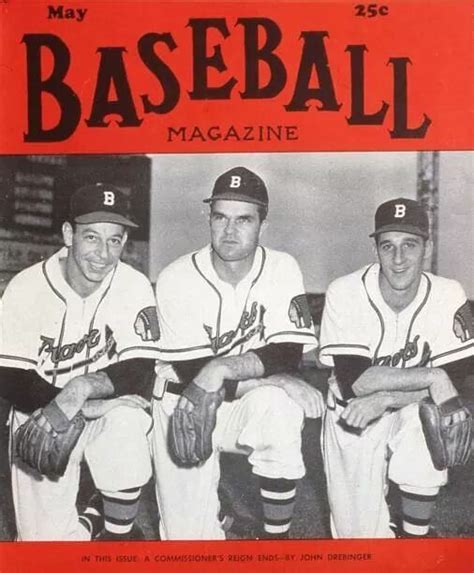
278, 411
125, 419
281, 404
273, 433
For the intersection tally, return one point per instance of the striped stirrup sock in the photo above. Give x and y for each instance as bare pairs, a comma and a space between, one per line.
278, 499
417, 511
92, 518
120, 510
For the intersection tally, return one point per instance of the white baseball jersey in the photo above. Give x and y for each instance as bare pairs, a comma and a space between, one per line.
433, 330
200, 315
203, 316
48, 327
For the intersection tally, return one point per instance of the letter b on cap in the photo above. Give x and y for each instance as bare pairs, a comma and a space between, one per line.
400, 210
109, 198
235, 181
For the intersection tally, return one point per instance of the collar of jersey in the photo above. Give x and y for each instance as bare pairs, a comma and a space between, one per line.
372, 282
204, 262
55, 276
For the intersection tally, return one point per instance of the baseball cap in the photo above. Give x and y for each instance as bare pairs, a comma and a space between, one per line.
100, 203
401, 215
240, 184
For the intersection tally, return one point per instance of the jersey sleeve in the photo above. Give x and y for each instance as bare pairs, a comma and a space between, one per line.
342, 332
287, 314
454, 338
137, 329
18, 339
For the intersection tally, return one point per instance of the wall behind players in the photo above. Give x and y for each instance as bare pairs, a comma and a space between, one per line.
321, 207
456, 218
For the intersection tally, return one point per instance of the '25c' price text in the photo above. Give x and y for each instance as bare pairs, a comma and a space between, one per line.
370, 10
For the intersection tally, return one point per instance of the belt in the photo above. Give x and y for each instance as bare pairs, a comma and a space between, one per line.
337, 401
175, 388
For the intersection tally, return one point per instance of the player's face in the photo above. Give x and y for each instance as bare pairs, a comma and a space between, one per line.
94, 250
402, 257
235, 229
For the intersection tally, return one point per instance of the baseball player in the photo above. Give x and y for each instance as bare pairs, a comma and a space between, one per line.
79, 331
233, 315
392, 334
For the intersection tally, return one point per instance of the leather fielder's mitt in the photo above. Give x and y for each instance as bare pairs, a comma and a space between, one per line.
449, 443
190, 433
45, 441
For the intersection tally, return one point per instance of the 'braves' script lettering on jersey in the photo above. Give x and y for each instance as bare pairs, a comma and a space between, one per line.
405, 354
246, 328
63, 352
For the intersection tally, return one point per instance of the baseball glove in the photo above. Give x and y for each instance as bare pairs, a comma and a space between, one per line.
449, 443
45, 441
190, 434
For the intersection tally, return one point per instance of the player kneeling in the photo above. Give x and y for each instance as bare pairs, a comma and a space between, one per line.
233, 319
78, 346
397, 338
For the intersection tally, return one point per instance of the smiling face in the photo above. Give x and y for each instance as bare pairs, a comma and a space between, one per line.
235, 230
402, 257
94, 250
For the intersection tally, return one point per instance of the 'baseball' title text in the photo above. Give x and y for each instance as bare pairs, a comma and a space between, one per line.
265, 76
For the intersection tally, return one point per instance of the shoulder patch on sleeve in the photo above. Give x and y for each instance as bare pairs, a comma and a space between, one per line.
299, 313
146, 324
463, 326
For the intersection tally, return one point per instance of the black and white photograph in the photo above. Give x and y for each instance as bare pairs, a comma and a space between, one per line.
260, 346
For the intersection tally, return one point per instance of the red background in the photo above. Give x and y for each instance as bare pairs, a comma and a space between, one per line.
436, 36
387, 556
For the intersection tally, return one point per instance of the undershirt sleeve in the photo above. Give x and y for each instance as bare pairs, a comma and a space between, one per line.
348, 368
134, 376
25, 389
280, 357
276, 358
459, 370
187, 370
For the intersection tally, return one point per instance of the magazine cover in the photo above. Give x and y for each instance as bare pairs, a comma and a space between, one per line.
236, 286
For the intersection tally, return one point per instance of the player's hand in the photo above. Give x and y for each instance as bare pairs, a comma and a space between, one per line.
442, 388
93, 409
360, 412
441, 392
185, 404
211, 376
305, 395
